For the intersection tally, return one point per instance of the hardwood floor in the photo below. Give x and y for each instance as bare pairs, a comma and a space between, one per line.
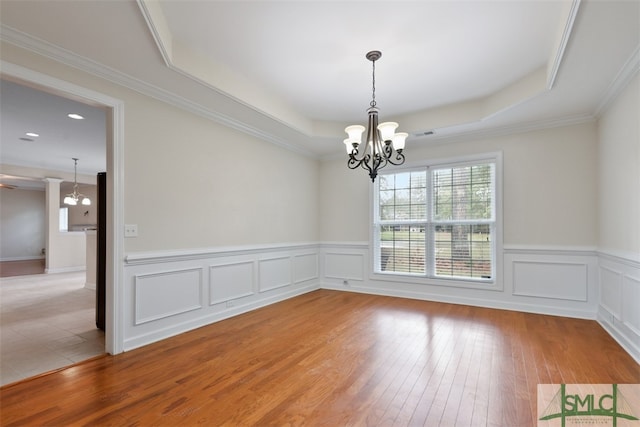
332, 358
21, 268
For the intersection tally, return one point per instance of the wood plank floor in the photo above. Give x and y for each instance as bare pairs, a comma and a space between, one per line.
21, 268
334, 359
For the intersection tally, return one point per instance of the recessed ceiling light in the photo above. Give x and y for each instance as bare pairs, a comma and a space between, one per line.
35, 135
26, 139
75, 116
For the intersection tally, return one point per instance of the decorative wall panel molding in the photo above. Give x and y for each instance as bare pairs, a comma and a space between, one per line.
344, 265
164, 294
631, 303
566, 282
559, 280
231, 281
553, 280
619, 303
274, 273
611, 290
305, 267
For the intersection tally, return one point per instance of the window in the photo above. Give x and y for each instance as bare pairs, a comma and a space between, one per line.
64, 219
438, 221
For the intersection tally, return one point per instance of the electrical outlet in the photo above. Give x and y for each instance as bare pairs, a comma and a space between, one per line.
131, 230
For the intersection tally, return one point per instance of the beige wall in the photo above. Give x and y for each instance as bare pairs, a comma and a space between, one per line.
191, 183
548, 177
619, 174
22, 224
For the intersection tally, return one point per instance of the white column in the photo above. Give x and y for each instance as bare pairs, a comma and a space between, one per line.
52, 220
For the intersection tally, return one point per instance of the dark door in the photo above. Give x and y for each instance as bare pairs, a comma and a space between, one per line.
101, 252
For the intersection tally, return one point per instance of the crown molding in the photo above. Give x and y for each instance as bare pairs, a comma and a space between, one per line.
628, 71
66, 57
562, 45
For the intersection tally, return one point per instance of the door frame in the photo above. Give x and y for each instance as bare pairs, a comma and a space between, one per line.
114, 339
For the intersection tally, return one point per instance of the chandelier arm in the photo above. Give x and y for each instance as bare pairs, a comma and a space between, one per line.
354, 155
378, 163
354, 163
382, 162
388, 154
399, 159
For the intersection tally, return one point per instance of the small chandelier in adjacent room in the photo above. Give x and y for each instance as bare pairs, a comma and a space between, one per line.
73, 198
382, 145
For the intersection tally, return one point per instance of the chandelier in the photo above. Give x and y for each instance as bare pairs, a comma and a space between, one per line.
72, 198
382, 145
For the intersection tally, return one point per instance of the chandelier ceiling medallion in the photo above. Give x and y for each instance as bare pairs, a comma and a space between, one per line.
73, 198
382, 145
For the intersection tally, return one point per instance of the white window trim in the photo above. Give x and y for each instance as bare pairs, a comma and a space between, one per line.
496, 282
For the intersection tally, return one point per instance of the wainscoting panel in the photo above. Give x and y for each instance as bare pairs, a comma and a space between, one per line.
631, 304
168, 293
551, 280
274, 273
230, 281
619, 304
305, 267
344, 265
559, 280
611, 290
160, 295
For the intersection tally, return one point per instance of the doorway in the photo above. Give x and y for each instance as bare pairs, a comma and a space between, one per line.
114, 150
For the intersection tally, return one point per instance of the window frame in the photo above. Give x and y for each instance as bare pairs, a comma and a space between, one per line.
429, 277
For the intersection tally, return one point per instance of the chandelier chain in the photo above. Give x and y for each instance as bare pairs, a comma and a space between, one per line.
373, 85
75, 175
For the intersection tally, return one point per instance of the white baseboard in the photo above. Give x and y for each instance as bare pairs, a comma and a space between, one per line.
65, 270
21, 258
475, 302
620, 337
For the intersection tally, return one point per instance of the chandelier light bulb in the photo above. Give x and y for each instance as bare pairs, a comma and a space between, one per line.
399, 140
348, 144
387, 130
355, 133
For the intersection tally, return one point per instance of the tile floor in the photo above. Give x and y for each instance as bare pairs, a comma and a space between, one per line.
47, 321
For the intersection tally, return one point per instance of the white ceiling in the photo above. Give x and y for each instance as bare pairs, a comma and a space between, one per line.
295, 73
312, 54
